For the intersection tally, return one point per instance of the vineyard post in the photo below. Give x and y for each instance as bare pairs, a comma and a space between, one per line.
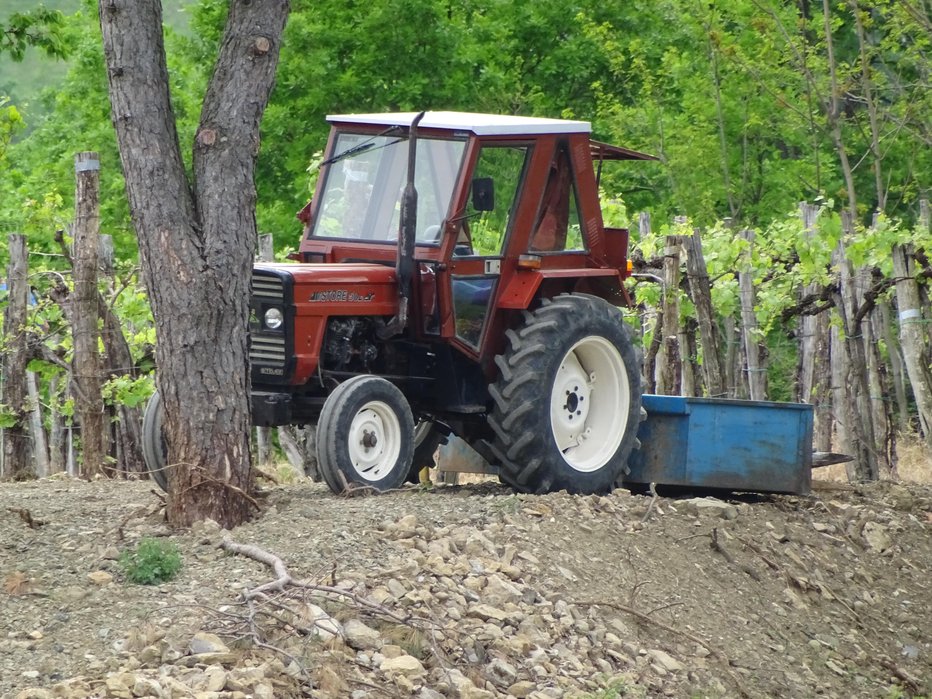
757, 377
912, 336
668, 368
652, 317
814, 372
17, 461
701, 290
90, 405
857, 403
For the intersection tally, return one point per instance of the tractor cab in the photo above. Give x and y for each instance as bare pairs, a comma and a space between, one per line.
505, 205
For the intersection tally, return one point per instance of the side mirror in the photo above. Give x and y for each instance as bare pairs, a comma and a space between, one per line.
483, 194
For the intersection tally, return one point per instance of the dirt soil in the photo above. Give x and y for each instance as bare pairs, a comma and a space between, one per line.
473, 592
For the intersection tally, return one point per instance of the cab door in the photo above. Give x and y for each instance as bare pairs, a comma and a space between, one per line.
482, 232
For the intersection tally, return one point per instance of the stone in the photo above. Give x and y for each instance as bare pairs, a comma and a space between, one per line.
498, 591
877, 537
405, 665
665, 660
522, 689
501, 673
100, 577
710, 507
361, 637
326, 628
146, 687
487, 612
203, 642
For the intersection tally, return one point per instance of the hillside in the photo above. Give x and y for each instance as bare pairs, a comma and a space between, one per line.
474, 592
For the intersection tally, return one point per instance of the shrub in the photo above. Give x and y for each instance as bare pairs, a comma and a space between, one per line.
153, 562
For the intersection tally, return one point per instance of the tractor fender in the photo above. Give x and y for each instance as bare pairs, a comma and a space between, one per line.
521, 288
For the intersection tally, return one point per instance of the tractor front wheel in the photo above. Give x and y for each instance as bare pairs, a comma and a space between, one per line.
364, 435
568, 400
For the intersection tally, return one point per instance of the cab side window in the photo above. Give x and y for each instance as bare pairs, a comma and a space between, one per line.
557, 227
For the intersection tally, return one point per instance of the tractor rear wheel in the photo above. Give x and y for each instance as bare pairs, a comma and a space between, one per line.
153, 444
364, 435
568, 400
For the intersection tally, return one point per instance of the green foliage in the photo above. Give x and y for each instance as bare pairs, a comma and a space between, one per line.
153, 562
39, 27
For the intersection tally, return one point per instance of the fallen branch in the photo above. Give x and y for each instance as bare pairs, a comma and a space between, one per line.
653, 503
719, 548
27, 517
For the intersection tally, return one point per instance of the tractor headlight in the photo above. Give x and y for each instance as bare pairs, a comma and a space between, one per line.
273, 318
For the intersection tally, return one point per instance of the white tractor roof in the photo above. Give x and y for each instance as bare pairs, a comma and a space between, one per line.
479, 124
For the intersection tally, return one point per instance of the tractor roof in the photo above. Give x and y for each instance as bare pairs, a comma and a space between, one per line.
479, 124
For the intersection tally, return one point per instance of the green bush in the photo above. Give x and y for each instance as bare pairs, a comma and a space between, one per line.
153, 562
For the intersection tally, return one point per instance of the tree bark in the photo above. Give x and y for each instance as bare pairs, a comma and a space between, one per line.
90, 404
17, 447
197, 240
701, 291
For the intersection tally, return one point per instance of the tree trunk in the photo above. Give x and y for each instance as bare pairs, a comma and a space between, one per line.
196, 240
17, 447
669, 369
757, 377
90, 404
701, 290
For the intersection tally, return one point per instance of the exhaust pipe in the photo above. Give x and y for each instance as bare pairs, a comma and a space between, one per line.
404, 262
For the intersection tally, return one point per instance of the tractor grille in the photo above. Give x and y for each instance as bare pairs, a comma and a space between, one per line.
268, 287
266, 348
269, 349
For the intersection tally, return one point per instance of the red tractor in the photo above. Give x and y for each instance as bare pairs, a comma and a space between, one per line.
454, 276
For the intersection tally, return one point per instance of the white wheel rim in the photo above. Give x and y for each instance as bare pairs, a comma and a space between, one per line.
589, 404
374, 441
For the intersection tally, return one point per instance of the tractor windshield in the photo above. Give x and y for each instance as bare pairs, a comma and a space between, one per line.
365, 180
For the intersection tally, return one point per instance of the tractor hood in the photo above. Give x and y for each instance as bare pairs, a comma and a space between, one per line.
357, 288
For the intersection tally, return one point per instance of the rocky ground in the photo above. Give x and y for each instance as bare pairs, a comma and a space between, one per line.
473, 592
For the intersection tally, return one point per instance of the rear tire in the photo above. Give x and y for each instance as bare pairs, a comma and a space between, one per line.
568, 400
365, 435
153, 444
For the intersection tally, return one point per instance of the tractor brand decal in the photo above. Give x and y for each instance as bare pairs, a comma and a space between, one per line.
269, 371
341, 295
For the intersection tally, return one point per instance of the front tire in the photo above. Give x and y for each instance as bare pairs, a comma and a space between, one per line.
364, 435
568, 400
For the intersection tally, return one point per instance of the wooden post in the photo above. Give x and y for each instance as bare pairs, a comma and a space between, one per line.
40, 448
857, 408
669, 366
813, 373
17, 447
90, 406
701, 291
911, 319
757, 377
